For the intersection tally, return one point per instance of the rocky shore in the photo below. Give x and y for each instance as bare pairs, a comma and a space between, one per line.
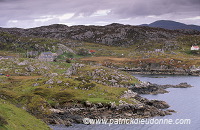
140, 108
149, 88
160, 71
74, 114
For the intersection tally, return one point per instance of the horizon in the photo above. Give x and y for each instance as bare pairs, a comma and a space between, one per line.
29, 14
96, 25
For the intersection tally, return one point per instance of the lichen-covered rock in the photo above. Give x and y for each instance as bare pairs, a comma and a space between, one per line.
30, 68
50, 81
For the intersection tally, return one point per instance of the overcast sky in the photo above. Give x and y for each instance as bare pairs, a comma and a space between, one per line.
33, 13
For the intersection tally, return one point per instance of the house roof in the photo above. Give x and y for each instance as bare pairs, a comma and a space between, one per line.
92, 51
195, 46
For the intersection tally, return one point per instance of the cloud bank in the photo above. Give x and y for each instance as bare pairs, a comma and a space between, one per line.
28, 13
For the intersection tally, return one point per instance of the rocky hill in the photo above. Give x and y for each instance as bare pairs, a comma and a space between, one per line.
167, 24
113, 34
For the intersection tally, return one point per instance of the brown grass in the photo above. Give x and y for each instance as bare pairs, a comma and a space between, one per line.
100, 59
186, 62
25, 77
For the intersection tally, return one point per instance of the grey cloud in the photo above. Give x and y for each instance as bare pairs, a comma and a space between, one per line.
120, 9
157, 7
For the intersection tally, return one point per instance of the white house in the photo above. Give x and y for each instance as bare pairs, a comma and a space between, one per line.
195, 48
47, 56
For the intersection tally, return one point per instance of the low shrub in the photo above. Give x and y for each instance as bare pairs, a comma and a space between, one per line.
42, 92
63, 97
87, 86
3, 121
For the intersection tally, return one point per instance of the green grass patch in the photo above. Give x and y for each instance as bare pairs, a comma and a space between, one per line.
98, 100
18, 119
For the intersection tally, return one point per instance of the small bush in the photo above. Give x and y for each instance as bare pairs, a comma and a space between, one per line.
42, 92
68, 60
87, 86
63, 97
193, 52
70, 55
38, 106
8, 95
3, 121
83, 52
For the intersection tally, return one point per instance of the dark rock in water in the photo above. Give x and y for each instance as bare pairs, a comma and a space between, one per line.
149, 88
183, 85
169, 110
168, 113
67, 123
162, 113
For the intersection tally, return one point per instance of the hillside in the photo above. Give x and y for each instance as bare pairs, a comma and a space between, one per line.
172, 25
78, 82
134, 43
139, 38
13, 118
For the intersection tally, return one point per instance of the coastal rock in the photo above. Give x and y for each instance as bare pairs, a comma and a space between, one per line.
149, 88
169, 110
76, 113
129, 94
99, 105
113, 105
158, 104
88, 104
183, 85
56, 110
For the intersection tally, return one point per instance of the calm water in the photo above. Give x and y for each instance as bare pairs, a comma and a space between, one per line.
186, 101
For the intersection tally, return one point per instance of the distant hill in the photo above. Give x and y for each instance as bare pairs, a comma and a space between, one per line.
172, 25
141, 37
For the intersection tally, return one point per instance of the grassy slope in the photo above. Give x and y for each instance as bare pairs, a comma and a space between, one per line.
77, 89
37, 99
18, 119
32, 92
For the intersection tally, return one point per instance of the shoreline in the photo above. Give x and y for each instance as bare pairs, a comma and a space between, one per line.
162, 72
75, 113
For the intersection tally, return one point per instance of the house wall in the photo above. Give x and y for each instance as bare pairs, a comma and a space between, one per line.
192, 48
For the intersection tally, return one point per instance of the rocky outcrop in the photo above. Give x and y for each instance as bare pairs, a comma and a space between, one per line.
71, 114
139, 108
73, 70
101, 75
113, 34
149, 88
